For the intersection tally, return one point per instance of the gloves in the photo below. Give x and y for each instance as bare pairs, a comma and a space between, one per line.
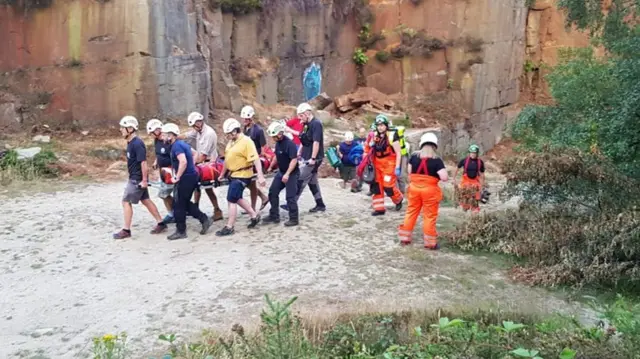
398, 171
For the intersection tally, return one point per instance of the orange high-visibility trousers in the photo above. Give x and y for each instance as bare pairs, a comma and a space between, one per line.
385, 182
470, 189
424, 195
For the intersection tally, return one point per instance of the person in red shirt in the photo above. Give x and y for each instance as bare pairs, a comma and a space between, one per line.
294, 127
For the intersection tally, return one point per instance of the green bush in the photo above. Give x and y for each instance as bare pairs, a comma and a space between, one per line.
238, 7
404, 335
383, 56
41, 165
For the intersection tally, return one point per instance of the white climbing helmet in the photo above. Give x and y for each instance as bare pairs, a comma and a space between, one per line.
153, 125
429, 137
171, 128
303, 107
230, 124
129, 121
247, 112
193, 117
275, 128
348, 136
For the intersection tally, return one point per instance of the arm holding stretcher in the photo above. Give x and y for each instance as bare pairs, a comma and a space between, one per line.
182, 166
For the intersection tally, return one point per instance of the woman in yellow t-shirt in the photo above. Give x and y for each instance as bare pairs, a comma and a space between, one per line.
240, 157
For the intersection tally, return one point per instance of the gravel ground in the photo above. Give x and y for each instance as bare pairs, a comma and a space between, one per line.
65, 280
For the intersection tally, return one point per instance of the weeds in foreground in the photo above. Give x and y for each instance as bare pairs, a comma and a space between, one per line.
39, 166
110, 346
404, 335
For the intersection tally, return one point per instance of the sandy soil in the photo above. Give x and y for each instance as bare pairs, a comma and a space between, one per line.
64, 279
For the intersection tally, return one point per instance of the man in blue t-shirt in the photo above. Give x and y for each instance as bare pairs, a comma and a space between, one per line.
287, 176
163, 160
137, 186
185, 177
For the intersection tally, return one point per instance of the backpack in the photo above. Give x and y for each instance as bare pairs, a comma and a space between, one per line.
355, 155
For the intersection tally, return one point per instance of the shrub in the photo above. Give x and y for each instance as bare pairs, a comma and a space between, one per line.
416, 43
39, 166
360, 57
383, 56
238, 7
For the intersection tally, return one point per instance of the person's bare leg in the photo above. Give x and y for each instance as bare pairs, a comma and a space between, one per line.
247, 207
128, 215
217, 212
152, 209
253, 193
264, 199
168, 203
232, 215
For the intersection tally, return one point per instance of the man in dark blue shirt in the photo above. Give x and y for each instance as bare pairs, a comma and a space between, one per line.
287, 176
137, 186
311, 153
256, 134
163, 160
185, 177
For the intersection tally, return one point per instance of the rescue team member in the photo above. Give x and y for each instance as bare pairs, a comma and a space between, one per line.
360, 140
186, 181
256, 134
206, 150
348, 168
404, 151
137, 187
386, 161
294, 128
425, 171
311, 152
163, 160
286, 178
472, 179
240, 157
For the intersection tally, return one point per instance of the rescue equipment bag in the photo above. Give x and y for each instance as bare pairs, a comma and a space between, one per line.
332, 155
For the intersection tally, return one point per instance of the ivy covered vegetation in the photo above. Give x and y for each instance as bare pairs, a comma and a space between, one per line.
579, 166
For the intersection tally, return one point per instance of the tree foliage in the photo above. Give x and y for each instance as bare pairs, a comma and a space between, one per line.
597, 100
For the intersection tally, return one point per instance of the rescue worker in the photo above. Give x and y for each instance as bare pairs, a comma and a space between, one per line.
356, 185
404, 151
240, 157
163, 160
256, 134
311, 154
294, 128
136, 189
472, 180
286, 178
385, 148
424, 195
185, 179
206, 150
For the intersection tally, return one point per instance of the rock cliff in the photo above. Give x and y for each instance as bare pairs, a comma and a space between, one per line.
85, 63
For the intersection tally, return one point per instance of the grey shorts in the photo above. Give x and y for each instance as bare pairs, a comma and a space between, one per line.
347, 173
133, 194
165, 190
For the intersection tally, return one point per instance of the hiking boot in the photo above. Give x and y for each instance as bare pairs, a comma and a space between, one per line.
217, 215
270, 220
177, 235
285, 207
433, 248
206, 223
378, 213
355, 190
399, 206
122, 234
254, 221
168, 219
405, 243
159, 228
317, 209
225, 231
291, 223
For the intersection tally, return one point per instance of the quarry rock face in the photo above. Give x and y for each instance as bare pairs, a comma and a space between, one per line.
87, 63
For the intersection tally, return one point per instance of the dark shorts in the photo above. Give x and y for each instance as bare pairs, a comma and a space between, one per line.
134, 194
347, 173
236, 187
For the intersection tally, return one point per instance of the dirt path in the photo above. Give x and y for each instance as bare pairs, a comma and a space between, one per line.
64, 279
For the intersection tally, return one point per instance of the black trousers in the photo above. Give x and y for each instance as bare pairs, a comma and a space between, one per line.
291, 195
182, 204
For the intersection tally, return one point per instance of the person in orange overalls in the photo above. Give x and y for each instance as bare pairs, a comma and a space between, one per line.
472, 180
385, 147
424, 195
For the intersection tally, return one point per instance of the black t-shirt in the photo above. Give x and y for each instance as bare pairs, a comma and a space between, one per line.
311, 132
286, 151
136, 153
433, 165
472, 168
163, 153
256, 133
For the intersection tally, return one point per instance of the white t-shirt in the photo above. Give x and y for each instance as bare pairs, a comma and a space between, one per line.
207, 142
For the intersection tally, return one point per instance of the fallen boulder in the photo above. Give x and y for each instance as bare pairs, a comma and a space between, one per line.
363, 96
321, 101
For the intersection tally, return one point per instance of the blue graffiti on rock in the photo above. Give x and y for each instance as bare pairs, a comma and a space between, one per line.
312, 81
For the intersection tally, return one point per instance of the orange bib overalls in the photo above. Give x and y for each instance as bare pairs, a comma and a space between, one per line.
384, 163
